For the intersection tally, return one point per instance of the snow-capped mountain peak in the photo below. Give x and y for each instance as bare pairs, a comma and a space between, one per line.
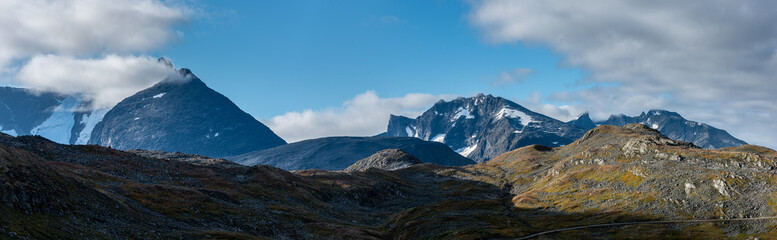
484, 126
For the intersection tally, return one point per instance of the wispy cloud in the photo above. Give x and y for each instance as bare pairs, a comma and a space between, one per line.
105, 81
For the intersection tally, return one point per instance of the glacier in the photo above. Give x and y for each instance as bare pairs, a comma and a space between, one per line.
58, 127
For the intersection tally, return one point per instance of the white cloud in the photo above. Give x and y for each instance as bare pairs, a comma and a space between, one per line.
366, 114
712, 61
106, 80
564, 112
97, 40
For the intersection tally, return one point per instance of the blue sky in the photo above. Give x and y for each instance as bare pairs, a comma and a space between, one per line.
271, 57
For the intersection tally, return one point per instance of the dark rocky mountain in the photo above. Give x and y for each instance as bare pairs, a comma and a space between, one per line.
337, 153
676, 127
389, 159
21, 110
484, 126
183, 116
614, 183
584, 122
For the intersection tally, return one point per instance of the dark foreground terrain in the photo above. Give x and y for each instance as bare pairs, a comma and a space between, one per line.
610, 175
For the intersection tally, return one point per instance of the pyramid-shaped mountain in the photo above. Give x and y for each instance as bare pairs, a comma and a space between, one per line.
183, 115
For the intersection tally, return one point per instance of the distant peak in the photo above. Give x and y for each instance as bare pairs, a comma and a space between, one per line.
166, 62
583, 121
185, 71
659, 112
583, 117
483, 96
184, 76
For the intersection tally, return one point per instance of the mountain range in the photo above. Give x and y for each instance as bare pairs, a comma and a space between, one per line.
179, 160
672, 125
479, 128
484, 126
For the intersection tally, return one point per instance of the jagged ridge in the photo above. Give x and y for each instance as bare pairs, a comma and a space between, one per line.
484, 126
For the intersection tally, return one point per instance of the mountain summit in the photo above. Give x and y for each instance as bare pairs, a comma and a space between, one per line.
183, 115
584, 122
484, 126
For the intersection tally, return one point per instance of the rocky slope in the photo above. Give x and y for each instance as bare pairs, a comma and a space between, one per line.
389, 159
337, 153
610, 175
484, 126
674, 126
212, 126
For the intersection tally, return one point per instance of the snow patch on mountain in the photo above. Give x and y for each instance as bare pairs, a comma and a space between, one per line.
57, 128
524, 118
466, 151
159, 95
89, 121
462, 112
410, 132
439, 138
11, 132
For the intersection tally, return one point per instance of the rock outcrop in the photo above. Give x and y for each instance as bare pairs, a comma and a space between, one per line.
389, 159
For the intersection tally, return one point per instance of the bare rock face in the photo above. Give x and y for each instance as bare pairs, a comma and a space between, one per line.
389, 159
183, 116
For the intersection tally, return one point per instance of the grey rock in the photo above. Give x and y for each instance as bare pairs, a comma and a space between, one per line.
389, 159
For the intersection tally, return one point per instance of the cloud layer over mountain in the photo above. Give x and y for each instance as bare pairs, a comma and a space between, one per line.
712, 61
93, 45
